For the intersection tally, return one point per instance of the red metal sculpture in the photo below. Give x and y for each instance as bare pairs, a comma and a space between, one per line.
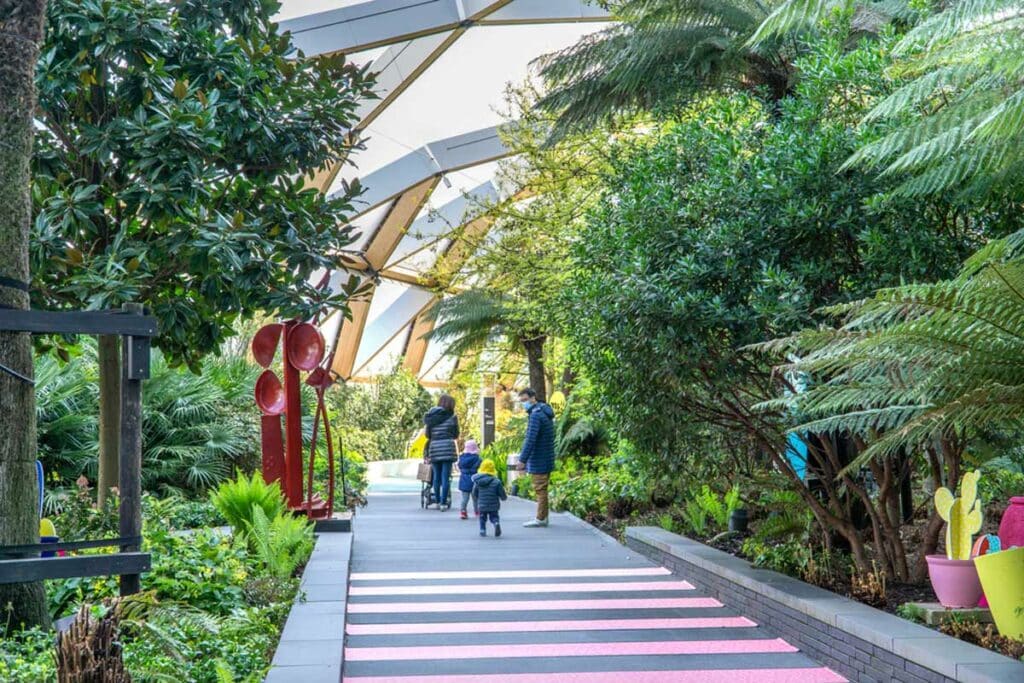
283, 457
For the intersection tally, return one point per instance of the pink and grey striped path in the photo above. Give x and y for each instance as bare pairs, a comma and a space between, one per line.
431, 602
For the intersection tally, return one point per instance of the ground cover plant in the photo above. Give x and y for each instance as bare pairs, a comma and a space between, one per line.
212, 606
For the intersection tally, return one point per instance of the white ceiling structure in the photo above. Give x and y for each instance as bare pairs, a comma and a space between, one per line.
432, 148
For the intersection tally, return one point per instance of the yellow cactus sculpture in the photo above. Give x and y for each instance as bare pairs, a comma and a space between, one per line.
962, 515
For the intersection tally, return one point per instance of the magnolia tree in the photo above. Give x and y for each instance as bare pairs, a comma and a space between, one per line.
173, 140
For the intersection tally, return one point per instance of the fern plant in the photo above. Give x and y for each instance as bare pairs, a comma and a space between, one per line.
958, 121
237, 499
281, 543
696, 517
919, 364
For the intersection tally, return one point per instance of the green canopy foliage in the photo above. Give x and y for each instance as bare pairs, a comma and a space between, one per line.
731, 227
172, 143
379, 419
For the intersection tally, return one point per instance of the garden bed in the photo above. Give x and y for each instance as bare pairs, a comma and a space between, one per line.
214, 604
856, 640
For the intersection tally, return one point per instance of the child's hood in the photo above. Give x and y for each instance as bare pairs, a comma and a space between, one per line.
484, 479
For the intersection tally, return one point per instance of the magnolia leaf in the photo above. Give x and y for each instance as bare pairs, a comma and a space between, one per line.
180, 89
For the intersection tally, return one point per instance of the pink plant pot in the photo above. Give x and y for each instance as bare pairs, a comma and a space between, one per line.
955, 582
1011, 527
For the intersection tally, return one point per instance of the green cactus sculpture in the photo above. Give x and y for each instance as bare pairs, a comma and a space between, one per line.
962, 515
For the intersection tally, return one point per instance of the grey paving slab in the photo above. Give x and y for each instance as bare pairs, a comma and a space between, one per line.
314, 627
326, 653
311, 647
325, 592
304, 674
989, 673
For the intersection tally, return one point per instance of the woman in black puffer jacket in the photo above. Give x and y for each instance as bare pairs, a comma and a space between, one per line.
442, 428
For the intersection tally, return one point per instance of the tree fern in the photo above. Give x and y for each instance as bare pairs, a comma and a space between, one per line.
958, 121
918, 363
468, 320
661, 52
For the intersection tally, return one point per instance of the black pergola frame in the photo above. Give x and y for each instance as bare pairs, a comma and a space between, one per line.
136, 329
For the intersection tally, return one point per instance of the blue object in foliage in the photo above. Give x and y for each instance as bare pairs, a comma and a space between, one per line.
796, 453
39, 482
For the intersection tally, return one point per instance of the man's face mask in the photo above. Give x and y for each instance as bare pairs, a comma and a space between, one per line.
526, 404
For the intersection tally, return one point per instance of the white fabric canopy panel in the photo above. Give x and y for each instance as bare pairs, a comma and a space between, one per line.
432, 144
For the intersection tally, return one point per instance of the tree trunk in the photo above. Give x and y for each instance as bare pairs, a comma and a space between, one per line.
535, 360
568, 380
21, 29
110, 415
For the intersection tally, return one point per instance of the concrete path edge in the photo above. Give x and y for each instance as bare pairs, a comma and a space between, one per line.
311, 648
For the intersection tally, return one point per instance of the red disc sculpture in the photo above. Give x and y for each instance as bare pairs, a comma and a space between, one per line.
283, 457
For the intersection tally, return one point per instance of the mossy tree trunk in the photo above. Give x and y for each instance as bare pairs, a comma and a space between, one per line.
21, 30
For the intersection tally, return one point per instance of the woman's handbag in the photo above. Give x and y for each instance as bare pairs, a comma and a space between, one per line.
425, 473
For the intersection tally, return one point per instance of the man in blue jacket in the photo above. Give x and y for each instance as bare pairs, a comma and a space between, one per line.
538, 454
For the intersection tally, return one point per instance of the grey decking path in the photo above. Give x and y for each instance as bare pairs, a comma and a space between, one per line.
407, 628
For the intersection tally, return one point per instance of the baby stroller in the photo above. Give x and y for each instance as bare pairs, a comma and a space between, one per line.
425, 474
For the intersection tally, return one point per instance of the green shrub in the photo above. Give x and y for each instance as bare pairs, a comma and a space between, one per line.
788, 517
911, 612
28, 657
591, 487
790, 558
667, 523
377, 419
241, 643
196, 428
236, 498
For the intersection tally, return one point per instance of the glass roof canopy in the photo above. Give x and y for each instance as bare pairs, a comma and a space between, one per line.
432, 148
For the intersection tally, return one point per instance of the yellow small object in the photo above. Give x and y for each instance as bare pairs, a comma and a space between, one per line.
417, 446
557, 401
46, 528
963, 515
487, 467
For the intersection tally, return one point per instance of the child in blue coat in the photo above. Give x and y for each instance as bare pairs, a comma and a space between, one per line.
488, 492
469, 463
